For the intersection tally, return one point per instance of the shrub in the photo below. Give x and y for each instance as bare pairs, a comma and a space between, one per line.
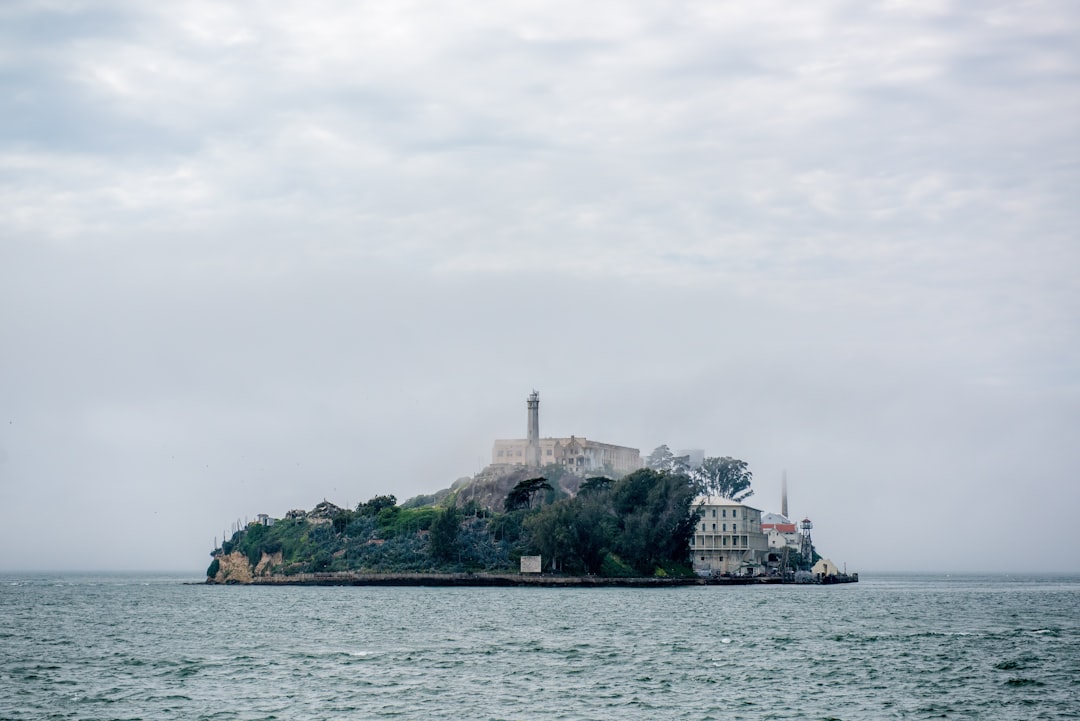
614, 567
405, 521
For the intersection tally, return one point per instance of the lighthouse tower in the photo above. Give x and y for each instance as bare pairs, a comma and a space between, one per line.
532, 452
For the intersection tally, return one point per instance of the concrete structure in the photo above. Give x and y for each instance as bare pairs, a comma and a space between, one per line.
728, 538
824, 567
578, 454
532, 449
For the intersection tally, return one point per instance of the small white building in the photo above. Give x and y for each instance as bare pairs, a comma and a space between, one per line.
780, 531
824, 567
728, 538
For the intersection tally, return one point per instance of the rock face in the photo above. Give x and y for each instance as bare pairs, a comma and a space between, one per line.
236, 568
268, 563
490, 487
233, 568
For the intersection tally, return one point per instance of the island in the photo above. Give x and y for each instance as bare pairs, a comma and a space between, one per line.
548, 511
509, 525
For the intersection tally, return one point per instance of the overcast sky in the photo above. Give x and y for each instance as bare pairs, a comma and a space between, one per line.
254, 255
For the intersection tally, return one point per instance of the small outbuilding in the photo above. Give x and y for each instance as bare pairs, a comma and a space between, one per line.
825, 567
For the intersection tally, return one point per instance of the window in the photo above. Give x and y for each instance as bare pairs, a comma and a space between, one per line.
500, 454
725, 528
714, 528
725, 540
734, 527
549, 451
714, 513
734, 512
724, 513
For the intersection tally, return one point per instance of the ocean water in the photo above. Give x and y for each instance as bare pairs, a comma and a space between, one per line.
890, 647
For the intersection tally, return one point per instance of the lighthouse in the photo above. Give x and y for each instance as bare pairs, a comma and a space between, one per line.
532, 452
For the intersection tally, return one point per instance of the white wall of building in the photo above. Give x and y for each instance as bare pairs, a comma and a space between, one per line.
728, 538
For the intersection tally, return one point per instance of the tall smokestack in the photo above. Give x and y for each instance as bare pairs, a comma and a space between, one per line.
532, 453
783, 495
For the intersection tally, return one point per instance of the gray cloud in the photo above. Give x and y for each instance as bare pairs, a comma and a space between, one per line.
250, 258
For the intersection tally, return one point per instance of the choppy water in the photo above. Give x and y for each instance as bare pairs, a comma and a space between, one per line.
900, 647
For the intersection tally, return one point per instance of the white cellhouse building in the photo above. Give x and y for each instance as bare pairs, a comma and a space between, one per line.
578, 454
728, 538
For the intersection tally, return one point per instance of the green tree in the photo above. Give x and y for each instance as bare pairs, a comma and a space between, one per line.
444, 534
641, 523
660, 458
727, 477
572, 535
342, 520
521, 495
252, 542
592, 529
594, 485
655, 519
376, 504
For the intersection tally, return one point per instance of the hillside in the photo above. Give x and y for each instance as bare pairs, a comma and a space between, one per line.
638, 525
489, 488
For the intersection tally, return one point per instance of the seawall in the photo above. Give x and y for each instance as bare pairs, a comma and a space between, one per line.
490, 579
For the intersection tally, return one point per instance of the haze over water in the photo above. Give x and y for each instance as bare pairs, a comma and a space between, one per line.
890, 647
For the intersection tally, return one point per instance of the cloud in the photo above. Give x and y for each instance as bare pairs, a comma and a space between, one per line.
252, 256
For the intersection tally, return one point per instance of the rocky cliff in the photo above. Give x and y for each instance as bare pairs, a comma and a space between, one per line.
236, 568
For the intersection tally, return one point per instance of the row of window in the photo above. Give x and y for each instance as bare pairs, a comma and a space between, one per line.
734, 527
549, 452
723, 513
743, 541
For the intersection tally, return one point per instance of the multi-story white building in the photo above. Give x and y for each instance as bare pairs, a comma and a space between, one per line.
728, 538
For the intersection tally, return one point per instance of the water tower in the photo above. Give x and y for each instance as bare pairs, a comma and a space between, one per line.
806, 546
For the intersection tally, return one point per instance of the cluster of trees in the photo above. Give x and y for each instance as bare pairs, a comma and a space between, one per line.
377, 534
723, 476
640, 524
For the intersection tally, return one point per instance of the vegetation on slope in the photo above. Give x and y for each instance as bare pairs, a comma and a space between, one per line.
640, 524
